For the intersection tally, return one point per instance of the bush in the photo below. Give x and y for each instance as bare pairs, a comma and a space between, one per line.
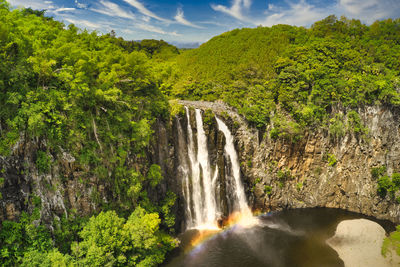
396, 179
284, 175
336, 126
392, 241
384, 185
268, 190
332, 160
43, 162
208, 117
110, 240
377, 172
176, 108
154, 175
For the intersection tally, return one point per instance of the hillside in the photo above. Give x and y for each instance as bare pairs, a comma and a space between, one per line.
287, 70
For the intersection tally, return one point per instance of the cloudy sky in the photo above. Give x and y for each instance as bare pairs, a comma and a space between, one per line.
187, 21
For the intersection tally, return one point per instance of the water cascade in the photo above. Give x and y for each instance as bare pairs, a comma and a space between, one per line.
200, 178
237, 189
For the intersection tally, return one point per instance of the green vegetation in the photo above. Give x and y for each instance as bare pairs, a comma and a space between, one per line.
284, 175
96, 97
299, 186
331, 159
392, 242
297, 77
106, 239
377, 172
109, 239
43, 162
268, 190
386, 184
176, 108
208, 117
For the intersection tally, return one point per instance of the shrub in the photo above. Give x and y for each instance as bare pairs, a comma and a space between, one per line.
299, 186
284, 174
43, 162
336, 126
392, 241
396, 179
208, 117
384, 185
268, 190
377, 172
176, 108
332, 160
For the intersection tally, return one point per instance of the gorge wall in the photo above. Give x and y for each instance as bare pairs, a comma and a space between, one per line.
276, 174
279, 174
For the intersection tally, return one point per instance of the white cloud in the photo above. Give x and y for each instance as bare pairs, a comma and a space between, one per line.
356, 6
180, 18
39, 5
142, 9
300, 14
236, 10
85, 23
151, 28
112, 10
369, 10
80, 5
146, 19
63, 9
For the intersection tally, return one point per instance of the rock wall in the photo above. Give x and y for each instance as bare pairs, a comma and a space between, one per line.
63, 188
312, 183
310, 180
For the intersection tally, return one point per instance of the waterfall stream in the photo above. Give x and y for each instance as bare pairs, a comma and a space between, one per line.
200, 179
238, 190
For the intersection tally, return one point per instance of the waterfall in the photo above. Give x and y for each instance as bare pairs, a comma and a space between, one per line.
230, 151
183, 170
195, 175
201, 181
202, 153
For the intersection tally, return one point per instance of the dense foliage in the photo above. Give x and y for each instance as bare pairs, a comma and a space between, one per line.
295, 77
392, 242
95, 96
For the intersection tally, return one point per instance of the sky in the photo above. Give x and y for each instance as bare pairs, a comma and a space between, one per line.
196, 21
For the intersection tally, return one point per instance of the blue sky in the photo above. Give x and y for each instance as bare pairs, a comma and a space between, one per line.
188, 21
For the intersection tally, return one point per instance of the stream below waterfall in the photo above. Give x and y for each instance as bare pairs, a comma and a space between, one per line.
284, 238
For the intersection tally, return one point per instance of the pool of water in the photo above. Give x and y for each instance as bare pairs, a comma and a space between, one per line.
285, 238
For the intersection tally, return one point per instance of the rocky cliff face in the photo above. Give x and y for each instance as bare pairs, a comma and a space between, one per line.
279, 174
25, 187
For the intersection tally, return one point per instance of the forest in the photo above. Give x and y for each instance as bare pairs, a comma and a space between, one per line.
98, 96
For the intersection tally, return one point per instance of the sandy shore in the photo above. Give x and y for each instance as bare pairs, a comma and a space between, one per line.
359, 243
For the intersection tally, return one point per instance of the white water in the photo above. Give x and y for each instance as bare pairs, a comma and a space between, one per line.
202, 156
195, 171
231, 153
184, 170
200, 180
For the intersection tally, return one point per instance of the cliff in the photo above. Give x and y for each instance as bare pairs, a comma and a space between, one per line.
279, 174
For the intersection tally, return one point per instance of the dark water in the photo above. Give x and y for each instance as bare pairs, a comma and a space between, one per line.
286, 238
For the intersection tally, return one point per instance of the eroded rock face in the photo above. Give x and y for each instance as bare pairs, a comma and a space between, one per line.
25, 187
312, 182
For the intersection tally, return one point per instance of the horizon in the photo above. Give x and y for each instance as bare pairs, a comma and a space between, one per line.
189, 23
